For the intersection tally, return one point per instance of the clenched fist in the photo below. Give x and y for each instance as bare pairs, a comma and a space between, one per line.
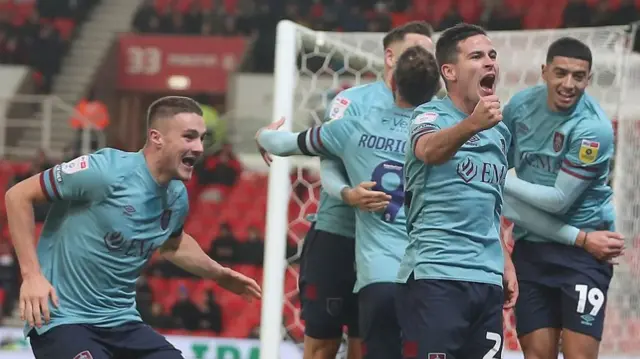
487, 113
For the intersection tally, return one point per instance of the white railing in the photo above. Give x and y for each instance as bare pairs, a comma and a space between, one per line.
20, 115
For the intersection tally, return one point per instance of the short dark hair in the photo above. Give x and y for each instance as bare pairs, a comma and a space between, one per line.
170, 106
447, 44
417, 76
570, 47
412, 27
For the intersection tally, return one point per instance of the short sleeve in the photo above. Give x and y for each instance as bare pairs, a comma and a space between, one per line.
340, 107
426, 119
331, 138
182, 211
85, 178
590, 150
509, 119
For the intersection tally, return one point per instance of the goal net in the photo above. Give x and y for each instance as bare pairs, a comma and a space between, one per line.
311, 67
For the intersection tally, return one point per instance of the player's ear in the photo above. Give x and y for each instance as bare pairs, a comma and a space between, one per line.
155, 137
389, 59
448, 72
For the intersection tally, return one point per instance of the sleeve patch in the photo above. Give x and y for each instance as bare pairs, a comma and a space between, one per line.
588, 151
426, 117
339, 107
79, 164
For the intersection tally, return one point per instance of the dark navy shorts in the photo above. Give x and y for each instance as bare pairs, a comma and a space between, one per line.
379, 328
327, 277
450, 319
80, 341
560, 287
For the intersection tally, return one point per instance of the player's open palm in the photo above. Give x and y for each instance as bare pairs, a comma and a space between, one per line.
510, 284
34, 299
365, 198
604, 245
273, 126
487, 112
240, 284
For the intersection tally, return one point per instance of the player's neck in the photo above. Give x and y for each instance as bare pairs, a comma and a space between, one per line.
461, 103
386, 75
153, 165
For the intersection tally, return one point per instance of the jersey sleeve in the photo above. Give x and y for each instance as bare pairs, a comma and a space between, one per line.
424, 120
182, 211
509, 119
85, 178
341, 106
328, 140
590, 150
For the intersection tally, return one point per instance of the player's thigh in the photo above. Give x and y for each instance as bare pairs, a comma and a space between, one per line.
485, 338
579, 346
434, 317
68, 341
320, 348
379, 327
327, 276
537, 307
584, 298
140, 341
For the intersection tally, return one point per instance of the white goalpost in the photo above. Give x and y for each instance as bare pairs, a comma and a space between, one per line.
310, 66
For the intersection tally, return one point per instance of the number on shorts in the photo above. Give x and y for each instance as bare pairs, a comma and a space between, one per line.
397, 194
497, 343
593, 295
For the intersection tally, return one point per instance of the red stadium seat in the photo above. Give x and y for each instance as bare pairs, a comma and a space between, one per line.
65, 27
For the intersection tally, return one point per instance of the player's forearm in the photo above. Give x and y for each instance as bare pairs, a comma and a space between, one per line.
187, 254
556, 199
279, 143
333, 178
22, 230
438, 147
539, 222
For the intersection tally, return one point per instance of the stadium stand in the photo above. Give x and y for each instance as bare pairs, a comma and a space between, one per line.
228, 203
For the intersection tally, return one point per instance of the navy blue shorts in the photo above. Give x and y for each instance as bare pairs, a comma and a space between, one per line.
80, 341
379, 327
560, 287
327, 277
450, 319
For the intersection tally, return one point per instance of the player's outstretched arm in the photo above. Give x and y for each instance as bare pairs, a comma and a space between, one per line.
185, 252
603, 245
332, 175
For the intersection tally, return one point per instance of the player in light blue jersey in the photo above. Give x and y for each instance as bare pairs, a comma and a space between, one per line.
561, 150
372, 149
111, 210
326, 293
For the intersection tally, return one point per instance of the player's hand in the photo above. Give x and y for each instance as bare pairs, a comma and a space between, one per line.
240, 284
365, 198
510, 284
487, 113
603, 245
34, 299
266, 156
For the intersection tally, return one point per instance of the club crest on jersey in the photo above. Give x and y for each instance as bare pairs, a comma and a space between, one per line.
437, 356
164, 220
84, 355
338, 108
588, 151
426, 117
558, 141
76, 165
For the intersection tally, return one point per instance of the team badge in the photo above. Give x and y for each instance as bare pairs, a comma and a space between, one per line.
79, 164
338, 108
558, 141
164, 220
426, 117
588, 151
437, 356
84, 355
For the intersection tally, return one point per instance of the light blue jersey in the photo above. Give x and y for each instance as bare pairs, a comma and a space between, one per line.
547, 146
334, 216
453, 215
108, 217
372, 149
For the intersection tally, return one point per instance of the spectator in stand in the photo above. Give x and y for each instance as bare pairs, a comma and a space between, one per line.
185, 313
602, 14
143, 16
355, 21
144, 297
156, 317
211, 314
176, 24
46, 54
222, 168
193, 19
497, 16
225, 247
253, 247
576, 14
9, 277
93, 113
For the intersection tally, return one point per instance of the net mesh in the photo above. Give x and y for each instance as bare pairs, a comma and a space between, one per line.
329, 62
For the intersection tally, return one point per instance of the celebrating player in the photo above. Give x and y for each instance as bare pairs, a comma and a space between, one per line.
562, 148
111, 210
326, 292
372, 149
